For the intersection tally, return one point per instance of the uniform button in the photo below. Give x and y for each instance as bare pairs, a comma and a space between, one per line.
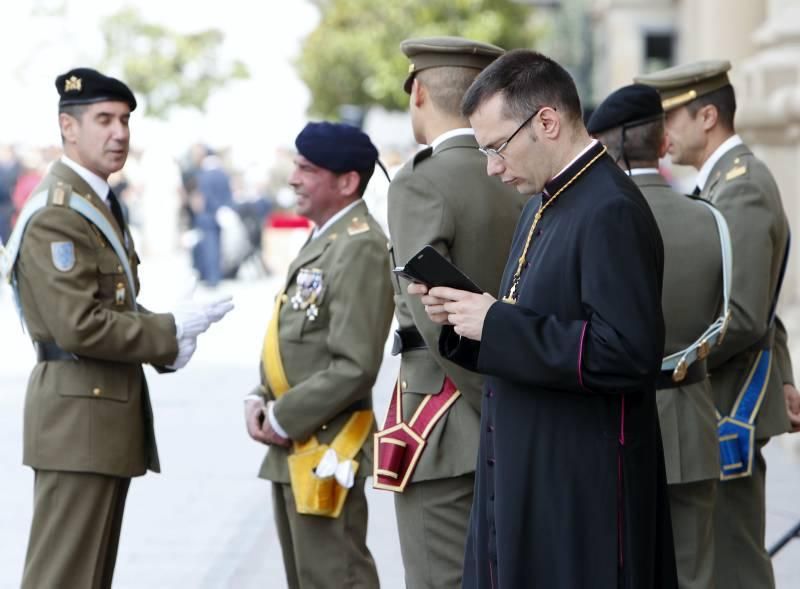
324, 427
490, 393
119, 269
404, 384
96, 392
491, 497
490, 461
490, 428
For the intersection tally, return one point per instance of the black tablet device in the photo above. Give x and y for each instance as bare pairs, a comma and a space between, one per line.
431, 268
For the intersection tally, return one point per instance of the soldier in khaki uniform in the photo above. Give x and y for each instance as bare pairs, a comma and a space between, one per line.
322, 352
751, 374
88, 421
443, 197
630, 122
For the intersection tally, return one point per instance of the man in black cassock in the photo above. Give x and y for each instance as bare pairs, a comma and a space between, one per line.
570, 488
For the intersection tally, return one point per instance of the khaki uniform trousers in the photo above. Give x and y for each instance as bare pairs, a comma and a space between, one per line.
432, 521
741, 560
323, 552
692, 508
77, 518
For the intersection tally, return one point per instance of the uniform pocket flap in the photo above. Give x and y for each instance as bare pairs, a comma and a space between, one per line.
420, 374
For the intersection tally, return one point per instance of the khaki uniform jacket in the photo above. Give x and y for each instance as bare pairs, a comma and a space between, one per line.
444, 198
691, 301
92, 414
743, 189
332, 362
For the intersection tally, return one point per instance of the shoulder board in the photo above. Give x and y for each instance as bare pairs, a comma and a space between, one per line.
357, 225
735, 172
59, 194
422, 155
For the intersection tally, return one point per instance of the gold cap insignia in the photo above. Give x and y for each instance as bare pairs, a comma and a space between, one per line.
73, 84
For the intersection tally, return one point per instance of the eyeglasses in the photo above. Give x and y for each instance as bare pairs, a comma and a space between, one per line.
490, 151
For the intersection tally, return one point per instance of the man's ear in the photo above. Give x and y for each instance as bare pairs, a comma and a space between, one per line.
663, 146
69, 127
710, 116
348, 183
548, 121
418, 93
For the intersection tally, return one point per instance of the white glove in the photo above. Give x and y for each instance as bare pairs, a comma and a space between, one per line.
216, 310
190, 320
329, 466
186, 348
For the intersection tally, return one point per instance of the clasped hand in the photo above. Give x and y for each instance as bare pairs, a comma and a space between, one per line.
258, 425
465, 311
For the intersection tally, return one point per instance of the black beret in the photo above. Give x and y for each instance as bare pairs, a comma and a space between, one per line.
337, 147
84, 85
630, 106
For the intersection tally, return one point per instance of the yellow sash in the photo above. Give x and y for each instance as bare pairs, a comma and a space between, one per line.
313, 495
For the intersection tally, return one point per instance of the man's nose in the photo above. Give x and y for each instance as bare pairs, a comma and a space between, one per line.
494, 165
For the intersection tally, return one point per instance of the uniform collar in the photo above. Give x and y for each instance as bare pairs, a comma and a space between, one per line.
451, 133
591, 151
341, 213
94, 181
708, 165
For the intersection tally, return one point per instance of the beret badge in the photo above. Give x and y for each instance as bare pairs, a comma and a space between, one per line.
73, 84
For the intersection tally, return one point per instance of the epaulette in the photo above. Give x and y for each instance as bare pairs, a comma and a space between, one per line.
738, 169
357, 225
422, 155
59, 194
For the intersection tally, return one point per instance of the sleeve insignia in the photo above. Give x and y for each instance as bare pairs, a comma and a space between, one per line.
736, 172
357, 226
63, 255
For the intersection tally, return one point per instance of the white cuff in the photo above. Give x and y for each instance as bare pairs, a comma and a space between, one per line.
274, 422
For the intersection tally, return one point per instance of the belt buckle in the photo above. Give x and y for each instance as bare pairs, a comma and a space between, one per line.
397, 344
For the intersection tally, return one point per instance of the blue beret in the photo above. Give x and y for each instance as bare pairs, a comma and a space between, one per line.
84, 85
337, 147
630, 106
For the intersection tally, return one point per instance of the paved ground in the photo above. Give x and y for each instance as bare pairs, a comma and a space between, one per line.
206, 521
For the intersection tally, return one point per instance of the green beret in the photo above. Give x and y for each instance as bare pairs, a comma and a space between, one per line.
428, 52
84, 85
681, 84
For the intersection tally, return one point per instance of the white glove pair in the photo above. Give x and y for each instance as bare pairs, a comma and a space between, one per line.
192, 319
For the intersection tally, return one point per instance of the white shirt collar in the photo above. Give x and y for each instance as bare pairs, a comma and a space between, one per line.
575, 159
725, 147
94, 181
341, 213
641, 171
451, 133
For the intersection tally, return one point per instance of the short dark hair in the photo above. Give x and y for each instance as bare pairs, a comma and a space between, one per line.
527, 80
642, 142
446, 86
74, 110
723, 99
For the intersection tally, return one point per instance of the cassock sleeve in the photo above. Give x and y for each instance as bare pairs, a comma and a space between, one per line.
616, 346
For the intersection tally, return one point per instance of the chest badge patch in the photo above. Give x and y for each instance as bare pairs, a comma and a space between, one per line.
308, 295
63, 255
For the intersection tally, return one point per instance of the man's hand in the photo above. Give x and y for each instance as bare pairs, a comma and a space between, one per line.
434, 306
792, 397
465, 311
254, 416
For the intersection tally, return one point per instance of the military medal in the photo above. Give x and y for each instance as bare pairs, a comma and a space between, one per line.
119, 295
309, 292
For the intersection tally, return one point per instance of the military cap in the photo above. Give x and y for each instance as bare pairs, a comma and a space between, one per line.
337, 147
630, 106
681, 84
428, 52
84, 85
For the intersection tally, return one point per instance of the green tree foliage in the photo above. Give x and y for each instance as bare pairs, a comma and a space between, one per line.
354, 57
166, 68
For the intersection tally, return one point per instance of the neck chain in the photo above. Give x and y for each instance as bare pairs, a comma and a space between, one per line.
511, 297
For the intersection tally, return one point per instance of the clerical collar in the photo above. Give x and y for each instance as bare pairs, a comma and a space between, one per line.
338, 215
451, 133
642, 171
708, 165
94, 181
591, 152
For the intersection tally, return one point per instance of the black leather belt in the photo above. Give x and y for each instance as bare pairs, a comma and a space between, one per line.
407, 339
695, 373
50, 352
